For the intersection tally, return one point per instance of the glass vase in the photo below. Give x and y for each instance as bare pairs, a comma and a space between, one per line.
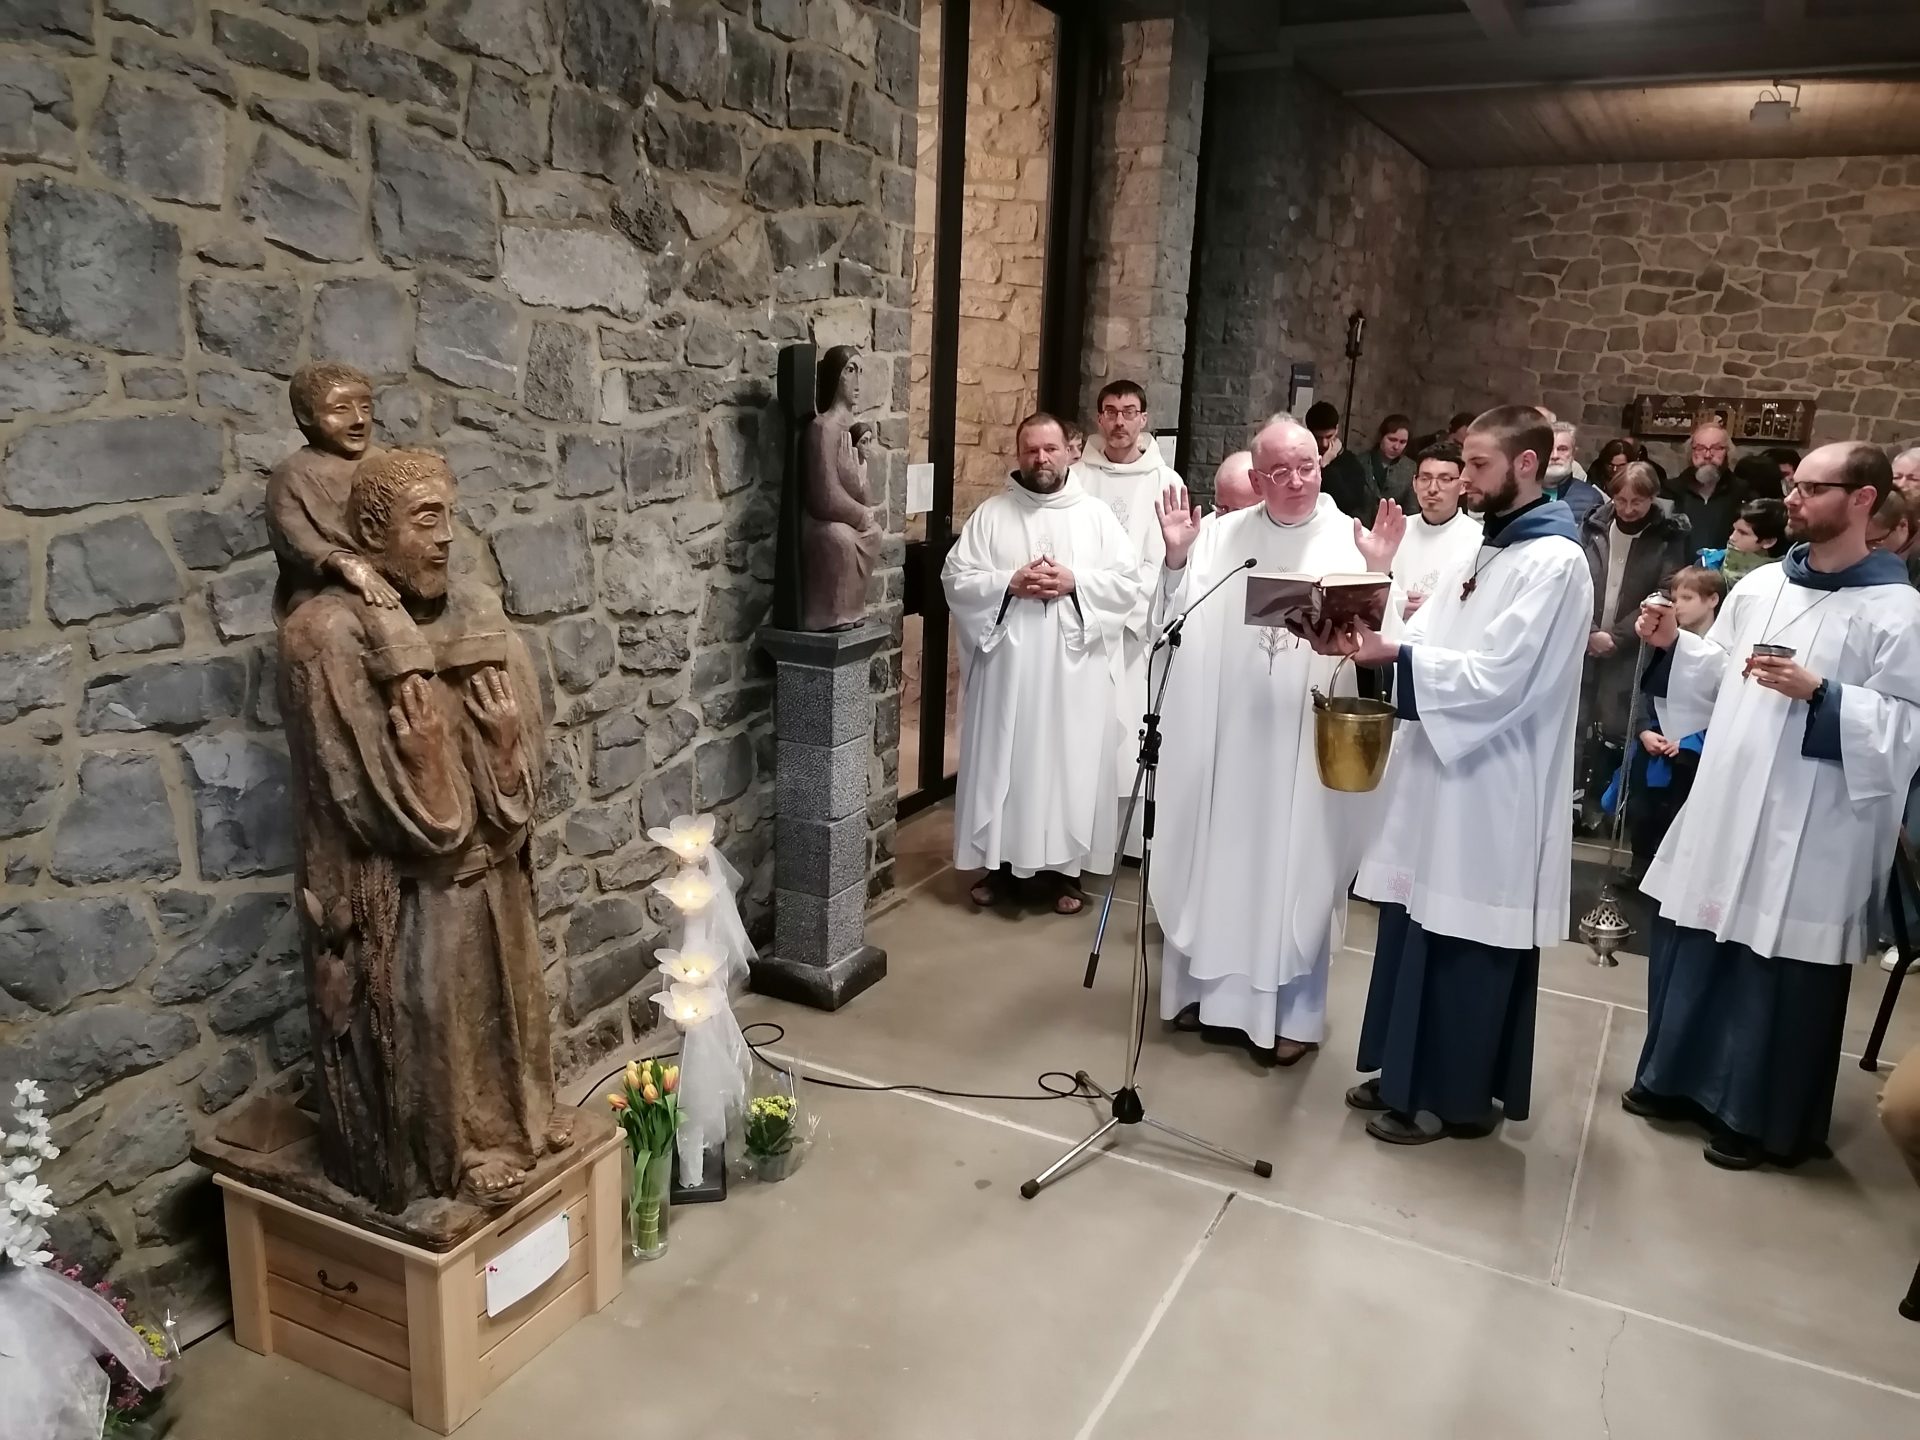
650, 1204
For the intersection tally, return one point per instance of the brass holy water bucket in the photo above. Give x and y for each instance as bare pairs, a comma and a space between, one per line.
1352, 738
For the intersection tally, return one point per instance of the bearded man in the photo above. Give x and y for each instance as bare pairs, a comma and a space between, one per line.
417, 740
1043, 584
1707, 492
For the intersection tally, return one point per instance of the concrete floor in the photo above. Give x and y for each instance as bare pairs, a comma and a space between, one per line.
1579, 1275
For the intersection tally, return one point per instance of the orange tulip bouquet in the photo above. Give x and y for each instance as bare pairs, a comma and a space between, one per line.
647, 1107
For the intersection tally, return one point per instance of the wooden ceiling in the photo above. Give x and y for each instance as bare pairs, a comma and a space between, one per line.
1465, 83
1701, 120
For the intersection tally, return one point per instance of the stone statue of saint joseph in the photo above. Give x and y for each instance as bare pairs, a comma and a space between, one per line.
417, 742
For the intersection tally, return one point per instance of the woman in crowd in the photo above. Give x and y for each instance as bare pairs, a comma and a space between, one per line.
1614, 457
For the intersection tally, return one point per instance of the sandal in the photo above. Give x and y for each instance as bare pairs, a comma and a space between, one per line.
1069, 899
986, 891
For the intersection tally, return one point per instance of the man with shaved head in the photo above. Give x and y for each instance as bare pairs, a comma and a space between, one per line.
1808, 687
1250, 876
1472, 868
1233, 487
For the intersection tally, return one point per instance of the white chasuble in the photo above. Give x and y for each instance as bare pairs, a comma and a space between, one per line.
1035, 789
1130, 490
1252, 856
1477, 841
1776, 850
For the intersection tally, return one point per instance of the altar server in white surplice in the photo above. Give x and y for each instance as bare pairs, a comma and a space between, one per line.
1252, 855
1041, 583
1473, 862
1769, 879
1123, 469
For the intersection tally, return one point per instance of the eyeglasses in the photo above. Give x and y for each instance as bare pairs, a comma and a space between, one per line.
1805, 488
1132, 412
1281, 473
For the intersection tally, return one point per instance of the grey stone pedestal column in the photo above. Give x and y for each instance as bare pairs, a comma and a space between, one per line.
823, 730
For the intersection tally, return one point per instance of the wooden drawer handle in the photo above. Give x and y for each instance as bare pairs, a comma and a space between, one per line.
352, 1287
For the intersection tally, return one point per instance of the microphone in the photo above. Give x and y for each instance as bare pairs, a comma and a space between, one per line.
1170, 636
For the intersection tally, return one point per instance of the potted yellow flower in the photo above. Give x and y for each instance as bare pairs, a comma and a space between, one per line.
647, 1107
772, 1140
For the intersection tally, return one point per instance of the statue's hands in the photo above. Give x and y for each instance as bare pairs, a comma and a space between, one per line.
419, 729
368, 582
490, 701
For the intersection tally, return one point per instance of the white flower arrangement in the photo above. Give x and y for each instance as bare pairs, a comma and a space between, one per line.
25, 1147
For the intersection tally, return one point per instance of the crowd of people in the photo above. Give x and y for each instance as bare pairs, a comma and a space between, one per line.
1733, 644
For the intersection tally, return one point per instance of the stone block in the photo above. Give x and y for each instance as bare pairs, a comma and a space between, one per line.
33, 679
559, 383
469, 337
509, 30
587, 466
329, 125
301, 208
642, 214
756, 75
79, 1053
819, 929
785, 18
348, 61
225, 1080
54, 951
550, 196
678, 141
821, 782
29, 786
118, 826
502, 123
822, 707
366, 323
259, 399
823, 987
93, 267
597, 980
545, 565
263, 46
243, 808
687, 54
168, 17
575, 270
36, 113
16, 584
666, 795
240, 602
781, 178
592, 134
608, 45
46, 382
723, 771
431, 203
603, 921
134, 52
254, 323
172, 147
820, 857
153, 382
818, 86
264, 993
170, 695
111, 565
142, 1139
842, 174
250, 929
874, 123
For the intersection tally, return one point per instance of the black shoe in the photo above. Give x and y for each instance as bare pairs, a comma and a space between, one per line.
1734, 1152
1366, 1096
1398, 1129
1649, 1106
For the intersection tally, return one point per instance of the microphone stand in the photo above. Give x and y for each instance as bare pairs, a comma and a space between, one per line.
1125, 1105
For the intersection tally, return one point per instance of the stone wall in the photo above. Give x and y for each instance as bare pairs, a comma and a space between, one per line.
567, 240
1582, 286
1003, 234
1310, 212
1146, 171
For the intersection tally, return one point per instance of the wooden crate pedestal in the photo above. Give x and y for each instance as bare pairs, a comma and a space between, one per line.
407, 1323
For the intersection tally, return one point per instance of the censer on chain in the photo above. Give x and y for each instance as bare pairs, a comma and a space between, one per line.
1605, 927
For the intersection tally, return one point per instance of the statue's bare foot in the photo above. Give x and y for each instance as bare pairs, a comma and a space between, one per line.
493, 1182
559, 1131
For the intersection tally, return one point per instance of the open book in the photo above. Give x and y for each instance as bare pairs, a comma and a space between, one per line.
1300, 601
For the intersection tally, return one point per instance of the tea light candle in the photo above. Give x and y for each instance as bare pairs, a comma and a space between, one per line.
695, 967
690, 891
687, 836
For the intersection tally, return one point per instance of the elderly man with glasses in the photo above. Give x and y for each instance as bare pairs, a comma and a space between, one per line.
1706, 492
1808, 687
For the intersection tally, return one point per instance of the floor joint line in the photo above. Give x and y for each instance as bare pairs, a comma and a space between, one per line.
1559, 1270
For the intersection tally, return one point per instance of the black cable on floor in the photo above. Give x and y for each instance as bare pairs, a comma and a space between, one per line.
1073, 1091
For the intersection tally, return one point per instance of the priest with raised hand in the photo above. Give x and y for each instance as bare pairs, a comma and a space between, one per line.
1123, 468
1472, 866
1042, 583
1252, 856
1808, 686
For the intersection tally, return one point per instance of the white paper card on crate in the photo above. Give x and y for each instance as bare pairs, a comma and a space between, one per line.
527, 1264
1166, 445
919, 489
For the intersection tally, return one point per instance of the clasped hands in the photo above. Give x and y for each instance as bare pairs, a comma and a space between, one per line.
1042, 579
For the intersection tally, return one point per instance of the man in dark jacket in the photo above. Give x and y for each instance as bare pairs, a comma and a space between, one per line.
1707, 492
1343, 476
1632, 547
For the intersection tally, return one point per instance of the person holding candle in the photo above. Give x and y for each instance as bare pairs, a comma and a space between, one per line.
1769, 876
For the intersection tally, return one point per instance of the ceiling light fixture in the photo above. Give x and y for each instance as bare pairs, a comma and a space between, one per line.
1773, 111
